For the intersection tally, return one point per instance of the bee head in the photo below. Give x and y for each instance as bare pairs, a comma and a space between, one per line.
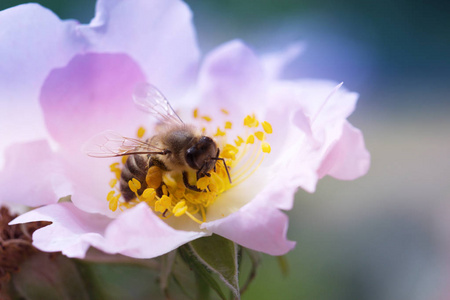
201, 156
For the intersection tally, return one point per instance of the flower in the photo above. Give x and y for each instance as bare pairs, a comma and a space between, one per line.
275, 135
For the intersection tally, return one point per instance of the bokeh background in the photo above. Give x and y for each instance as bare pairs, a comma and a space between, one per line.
387, 235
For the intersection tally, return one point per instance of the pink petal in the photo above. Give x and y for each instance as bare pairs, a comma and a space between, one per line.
274, 63
72, 231
324, 101
257, 226
158, 35
91, 94
32, 175
139, 233
33, 41
349, 158
231, 77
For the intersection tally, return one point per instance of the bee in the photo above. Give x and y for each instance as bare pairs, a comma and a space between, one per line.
176, 147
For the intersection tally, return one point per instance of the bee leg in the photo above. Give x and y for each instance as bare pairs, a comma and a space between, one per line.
188, 185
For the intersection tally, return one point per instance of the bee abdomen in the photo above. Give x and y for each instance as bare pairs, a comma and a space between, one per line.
136, 167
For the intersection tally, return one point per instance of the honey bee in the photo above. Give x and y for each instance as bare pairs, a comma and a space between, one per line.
176, 147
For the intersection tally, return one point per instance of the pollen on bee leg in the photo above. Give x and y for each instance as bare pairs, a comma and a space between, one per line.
154, 177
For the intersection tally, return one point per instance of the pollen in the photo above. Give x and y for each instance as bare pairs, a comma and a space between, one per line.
242, 151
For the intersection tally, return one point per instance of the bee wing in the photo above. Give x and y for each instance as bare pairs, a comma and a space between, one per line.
150, 99
111, 144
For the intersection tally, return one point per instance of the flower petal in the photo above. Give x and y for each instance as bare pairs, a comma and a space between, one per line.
33, 41
257, 226
157, 34
91, 94
274, 63
139, 233
349, 158
32, 175
231, 77
72, 231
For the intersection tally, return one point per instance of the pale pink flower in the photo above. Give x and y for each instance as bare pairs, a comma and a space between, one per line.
82, 78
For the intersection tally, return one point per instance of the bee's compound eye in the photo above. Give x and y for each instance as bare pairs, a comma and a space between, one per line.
191, 158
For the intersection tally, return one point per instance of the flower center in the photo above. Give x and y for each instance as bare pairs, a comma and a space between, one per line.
167, 193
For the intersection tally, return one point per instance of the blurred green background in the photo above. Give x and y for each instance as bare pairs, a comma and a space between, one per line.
386, 235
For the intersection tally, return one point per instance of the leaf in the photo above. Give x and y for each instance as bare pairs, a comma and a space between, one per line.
117, 281
220, 256
186, 252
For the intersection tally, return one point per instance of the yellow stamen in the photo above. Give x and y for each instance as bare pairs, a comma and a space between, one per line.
110, 195
140, 132
250, 139
238, 141
149, 194
113, 203
203, 182
114, 167
265, 147
180, 209
113, 182
134, 185
166, 193
259, 135
220, 132
267, 127
223, 110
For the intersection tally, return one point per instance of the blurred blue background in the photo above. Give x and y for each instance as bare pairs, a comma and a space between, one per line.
386, 235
